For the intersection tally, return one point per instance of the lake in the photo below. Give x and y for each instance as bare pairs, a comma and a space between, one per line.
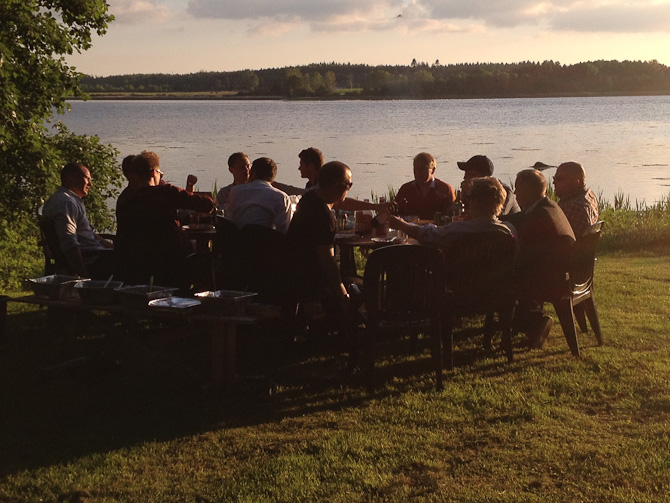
623, 142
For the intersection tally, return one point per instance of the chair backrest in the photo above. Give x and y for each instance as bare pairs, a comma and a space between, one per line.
266, 265
584, 256
197, 273
226, 250
479, 269
54, 259
403, 284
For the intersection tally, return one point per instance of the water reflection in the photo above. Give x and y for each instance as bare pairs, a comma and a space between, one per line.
622, 141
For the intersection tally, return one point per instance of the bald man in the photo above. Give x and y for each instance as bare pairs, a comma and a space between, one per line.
577, 201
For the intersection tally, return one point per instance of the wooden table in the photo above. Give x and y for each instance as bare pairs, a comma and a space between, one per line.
201, 234
346, 242
222, 328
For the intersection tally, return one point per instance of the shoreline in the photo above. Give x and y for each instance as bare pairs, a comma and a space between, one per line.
211, 96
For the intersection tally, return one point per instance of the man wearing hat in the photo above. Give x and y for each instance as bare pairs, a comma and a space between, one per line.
478, 166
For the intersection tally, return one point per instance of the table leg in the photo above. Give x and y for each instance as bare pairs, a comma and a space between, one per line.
224, 338
347, 261
3, 317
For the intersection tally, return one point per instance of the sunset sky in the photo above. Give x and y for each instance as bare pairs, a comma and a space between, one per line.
186, 36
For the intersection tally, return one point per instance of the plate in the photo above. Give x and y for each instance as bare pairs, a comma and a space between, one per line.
346, 236
198, 227
385, 240
174, 303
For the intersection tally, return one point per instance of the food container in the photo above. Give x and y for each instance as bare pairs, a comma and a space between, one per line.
140, 295
56, 286
226, 302
98, 292
174, 304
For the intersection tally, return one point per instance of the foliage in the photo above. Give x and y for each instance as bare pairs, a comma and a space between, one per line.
35, 82
101, 161
635, 228
526, 78
20, 255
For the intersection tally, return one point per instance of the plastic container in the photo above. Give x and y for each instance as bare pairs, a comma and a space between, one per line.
98, 292
140, 295
56, 286
225, 302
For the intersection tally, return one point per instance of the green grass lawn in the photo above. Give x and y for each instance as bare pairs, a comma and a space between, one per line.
546, 428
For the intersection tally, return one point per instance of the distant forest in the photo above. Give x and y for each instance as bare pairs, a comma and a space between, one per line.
418, 80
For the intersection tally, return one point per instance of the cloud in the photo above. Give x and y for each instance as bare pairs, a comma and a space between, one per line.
615, 18
440, 15
138, 11
307, 10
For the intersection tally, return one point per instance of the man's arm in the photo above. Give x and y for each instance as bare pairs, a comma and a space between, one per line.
76, 261
412, 230
350, 204
331, 271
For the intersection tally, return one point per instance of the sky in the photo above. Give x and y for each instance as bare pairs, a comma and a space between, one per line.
187, 36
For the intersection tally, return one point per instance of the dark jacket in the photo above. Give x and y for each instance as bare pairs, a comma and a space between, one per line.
546, 241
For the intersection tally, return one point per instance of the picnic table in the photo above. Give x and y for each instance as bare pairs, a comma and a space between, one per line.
222, 328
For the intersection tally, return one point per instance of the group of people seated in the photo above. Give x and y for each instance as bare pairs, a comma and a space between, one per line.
150, 245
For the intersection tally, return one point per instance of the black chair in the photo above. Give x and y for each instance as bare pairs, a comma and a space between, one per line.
227, 253
54, 259
579, 303
198, 273
479, 275
266, 265
403, 289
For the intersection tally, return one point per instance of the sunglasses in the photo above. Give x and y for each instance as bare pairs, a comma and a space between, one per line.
348, 185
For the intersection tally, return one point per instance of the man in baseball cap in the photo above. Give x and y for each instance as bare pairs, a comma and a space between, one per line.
476, 167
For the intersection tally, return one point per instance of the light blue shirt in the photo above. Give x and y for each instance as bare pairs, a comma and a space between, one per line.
66, 210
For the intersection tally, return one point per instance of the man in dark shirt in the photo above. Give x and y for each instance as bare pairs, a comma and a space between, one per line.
312, 231
149, 241
478, 166
426, 194
545, 251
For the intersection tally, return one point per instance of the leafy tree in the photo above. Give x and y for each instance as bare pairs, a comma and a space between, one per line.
35, 81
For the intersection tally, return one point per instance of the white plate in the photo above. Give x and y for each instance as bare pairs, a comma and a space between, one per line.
174, 303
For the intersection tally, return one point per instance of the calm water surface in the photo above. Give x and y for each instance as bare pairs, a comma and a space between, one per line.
624, 142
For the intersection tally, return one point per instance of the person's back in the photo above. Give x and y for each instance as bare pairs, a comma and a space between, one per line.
546, 241
545, 247
149, 240
487, 200
258, 202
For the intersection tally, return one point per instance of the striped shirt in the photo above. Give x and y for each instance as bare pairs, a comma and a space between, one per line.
581, 210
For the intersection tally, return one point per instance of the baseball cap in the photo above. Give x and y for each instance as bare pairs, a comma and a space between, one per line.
479, 163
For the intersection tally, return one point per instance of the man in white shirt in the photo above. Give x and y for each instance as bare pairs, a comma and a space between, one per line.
238, 165
87, 254
258, 202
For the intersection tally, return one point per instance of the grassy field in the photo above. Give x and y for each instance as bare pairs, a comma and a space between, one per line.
546, 428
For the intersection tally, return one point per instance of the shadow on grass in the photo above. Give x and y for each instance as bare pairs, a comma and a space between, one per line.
102, 405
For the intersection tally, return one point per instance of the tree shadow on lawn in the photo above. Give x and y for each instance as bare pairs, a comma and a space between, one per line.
99, 406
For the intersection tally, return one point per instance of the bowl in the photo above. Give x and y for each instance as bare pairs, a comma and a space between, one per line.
225, 302
55, 286
140, 295
98, 292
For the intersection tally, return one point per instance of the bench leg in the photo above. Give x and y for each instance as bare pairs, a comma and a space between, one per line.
3, 317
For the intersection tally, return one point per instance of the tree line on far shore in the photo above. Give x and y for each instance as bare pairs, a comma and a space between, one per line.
417, 80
